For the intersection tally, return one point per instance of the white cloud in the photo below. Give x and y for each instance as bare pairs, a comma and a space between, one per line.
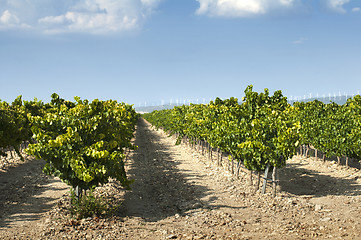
356, 9
90, 16
300, 41
249, 8
9, 18
150, 3
52, 20
244, 8
337, 5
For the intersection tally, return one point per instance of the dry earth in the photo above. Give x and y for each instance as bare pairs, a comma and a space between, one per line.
180, 194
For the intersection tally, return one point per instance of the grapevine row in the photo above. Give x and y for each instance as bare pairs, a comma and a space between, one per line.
260, 132
332, 129
266, 130
82, 142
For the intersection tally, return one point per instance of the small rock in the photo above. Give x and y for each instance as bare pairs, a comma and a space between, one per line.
318, 207
197, 205
326, 219
172, 236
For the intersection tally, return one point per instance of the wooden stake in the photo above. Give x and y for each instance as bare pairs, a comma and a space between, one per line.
238, 167
221, 159
304, 150
274, 183
211, 153
265, 179
347, 161
251, 178
258, 181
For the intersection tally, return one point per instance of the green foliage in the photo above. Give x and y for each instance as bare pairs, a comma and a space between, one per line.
266, 129
262, 130
15, 127
331, 128
83, 143
270, 134
89, 205
353, 116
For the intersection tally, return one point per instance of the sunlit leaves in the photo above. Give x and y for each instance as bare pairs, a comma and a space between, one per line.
259, 131
83, 142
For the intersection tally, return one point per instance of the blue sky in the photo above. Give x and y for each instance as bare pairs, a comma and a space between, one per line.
149, 51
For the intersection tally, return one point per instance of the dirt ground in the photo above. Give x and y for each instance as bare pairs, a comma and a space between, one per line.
180, 194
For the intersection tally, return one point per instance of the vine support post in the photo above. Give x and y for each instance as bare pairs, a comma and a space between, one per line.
251, 178
304, 150
203, 147
265, 179
274, 181
238, 168
316, 154
307, 149
221, 159
258, 181
228, 163
78, 191
209, 151
232, 169
347, 161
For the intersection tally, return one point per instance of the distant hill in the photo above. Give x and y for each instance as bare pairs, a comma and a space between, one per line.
338, 99
149, 109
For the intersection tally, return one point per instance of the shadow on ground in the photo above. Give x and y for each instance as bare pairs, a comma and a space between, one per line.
298, 180
160, 190
21, 197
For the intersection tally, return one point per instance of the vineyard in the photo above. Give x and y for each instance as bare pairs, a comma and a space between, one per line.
82, 143
265, 131
192, 172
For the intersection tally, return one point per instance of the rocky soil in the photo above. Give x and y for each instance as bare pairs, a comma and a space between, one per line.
180, 194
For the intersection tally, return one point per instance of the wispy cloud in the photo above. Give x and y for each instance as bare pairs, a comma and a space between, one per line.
244, 8
300, 41
90, 16
116, 16
337, 5
252, 8
9, 18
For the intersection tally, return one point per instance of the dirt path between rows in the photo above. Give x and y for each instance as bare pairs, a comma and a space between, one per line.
26, 195
180, 194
